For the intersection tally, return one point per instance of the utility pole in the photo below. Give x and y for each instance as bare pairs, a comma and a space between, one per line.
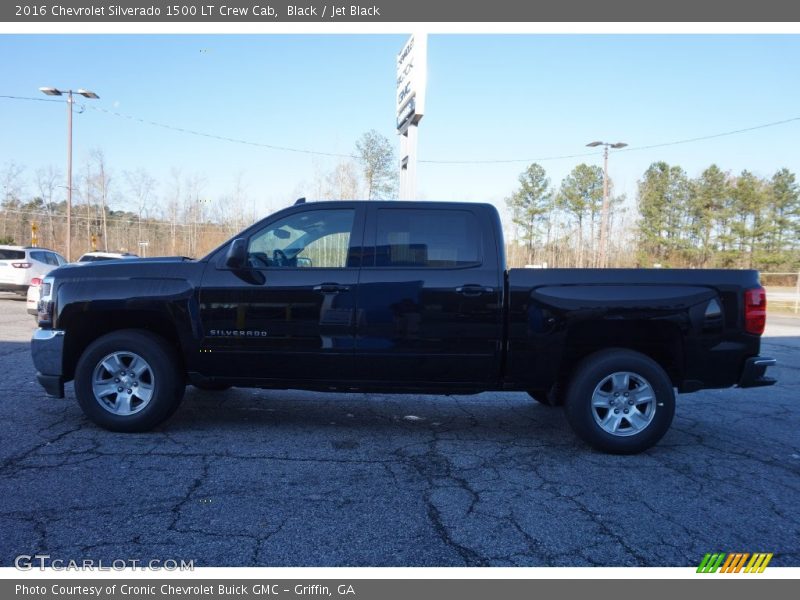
50, 91
604, 213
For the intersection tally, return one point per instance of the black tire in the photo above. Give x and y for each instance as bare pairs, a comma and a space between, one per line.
598, 368
212, 386
165, 377
552, 397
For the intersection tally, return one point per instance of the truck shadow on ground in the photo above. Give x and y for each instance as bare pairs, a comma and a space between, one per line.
487, 412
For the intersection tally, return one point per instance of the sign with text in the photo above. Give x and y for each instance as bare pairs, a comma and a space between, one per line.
412, 63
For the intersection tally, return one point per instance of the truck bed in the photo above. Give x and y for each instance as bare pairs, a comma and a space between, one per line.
689, 319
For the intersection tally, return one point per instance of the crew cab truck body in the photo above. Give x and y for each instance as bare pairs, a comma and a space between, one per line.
397, 297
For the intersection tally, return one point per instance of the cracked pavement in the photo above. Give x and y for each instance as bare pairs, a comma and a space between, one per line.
290, 478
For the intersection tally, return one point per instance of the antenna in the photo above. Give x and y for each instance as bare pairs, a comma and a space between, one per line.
300, 201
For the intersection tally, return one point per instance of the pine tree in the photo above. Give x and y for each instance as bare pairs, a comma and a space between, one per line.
531, 204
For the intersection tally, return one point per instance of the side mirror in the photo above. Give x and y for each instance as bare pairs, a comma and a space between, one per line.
304, 262
236, 258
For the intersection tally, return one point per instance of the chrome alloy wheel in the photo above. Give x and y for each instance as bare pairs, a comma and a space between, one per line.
122, 383
623, 403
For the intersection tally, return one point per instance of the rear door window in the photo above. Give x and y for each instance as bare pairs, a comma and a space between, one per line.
427, 238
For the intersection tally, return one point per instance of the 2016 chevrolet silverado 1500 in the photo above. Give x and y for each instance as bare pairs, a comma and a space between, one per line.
397, 297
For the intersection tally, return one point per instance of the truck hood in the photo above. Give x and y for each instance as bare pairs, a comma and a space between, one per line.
128, 268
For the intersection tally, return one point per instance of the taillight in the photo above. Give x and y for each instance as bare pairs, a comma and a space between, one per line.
36, 281
21, 265
755, 310
45, 307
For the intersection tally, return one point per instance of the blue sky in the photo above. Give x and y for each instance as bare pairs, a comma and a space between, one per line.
489, 97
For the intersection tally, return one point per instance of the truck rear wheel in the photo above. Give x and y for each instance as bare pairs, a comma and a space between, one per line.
620, 401
128, 380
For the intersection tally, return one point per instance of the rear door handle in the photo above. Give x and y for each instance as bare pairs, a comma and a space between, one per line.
472, 289
331, 288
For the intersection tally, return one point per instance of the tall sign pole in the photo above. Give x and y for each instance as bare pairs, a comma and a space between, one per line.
412, 67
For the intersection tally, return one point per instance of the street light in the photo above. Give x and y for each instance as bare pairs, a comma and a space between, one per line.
51, 91
604, 213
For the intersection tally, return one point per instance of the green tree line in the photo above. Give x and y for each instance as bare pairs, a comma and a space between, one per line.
717, 219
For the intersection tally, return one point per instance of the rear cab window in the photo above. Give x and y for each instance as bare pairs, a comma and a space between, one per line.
429, 238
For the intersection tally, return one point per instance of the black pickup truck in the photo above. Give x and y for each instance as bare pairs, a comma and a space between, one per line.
397, 297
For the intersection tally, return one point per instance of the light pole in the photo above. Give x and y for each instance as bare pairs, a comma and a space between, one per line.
604, 213
50, 91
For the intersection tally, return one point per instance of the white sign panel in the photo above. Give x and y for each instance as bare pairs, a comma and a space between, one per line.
411, 78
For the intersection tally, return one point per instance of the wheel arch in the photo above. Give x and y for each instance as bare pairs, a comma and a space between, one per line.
84, 328
662, 341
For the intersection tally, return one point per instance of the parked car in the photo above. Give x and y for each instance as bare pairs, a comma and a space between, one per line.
409, 297
32, 298
20, 265
97, 256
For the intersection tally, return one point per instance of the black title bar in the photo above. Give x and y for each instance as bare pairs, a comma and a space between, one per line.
386, 11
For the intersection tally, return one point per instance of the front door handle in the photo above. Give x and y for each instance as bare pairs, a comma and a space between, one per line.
331, 288
472, 289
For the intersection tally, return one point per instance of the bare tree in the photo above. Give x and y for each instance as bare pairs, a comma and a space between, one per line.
378, 164
232, 207
195, 205
343, 181
88, 194
141, 187
173, 208
102, 181
46, 183
11, 186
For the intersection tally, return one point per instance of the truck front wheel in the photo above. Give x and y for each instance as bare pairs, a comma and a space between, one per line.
620, 401
128, 380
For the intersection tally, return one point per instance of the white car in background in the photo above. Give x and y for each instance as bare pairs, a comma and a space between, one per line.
20, 266
35, 288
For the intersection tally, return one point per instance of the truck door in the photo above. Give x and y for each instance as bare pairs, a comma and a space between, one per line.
429, 305
290, 314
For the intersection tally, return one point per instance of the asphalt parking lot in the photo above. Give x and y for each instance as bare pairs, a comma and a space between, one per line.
275, 478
